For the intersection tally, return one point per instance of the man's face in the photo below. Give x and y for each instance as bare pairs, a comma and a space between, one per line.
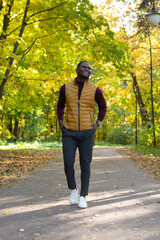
84, 70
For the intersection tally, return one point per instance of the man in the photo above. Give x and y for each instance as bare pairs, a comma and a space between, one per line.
78, 99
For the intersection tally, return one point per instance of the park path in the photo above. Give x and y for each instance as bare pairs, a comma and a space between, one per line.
123, 203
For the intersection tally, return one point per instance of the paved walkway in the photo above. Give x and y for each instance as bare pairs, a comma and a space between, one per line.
123, 203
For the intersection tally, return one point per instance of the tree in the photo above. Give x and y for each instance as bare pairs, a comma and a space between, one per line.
124, 24
52, 38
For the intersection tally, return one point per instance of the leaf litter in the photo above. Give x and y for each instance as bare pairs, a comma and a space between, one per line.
15, 164
150, 162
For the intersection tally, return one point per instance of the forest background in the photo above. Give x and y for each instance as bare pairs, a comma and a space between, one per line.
41, 43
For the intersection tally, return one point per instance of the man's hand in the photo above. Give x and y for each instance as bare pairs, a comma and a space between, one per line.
96, 125
61, 124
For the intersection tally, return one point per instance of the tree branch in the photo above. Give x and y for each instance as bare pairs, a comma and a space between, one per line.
17, 18
13, 30
34, 79
41, 20
30, 47
47, 10
141, 67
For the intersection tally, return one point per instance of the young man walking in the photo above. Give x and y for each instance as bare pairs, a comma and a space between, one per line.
77, 100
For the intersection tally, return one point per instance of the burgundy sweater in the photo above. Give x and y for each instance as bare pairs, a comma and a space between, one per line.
99, 98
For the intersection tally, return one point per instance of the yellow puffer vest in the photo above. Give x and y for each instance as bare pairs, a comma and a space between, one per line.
79, 114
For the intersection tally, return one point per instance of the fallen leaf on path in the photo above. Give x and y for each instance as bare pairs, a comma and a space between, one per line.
97, 215
49, 213
139, 235
113, 226
37, 235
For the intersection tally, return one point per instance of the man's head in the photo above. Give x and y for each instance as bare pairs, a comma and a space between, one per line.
83, 70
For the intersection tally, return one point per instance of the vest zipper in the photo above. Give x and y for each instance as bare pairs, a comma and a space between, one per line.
79, 114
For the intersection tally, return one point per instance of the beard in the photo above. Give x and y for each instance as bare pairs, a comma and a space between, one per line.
84, 78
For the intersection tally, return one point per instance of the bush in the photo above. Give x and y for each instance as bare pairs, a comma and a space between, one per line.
145, 136
120, 135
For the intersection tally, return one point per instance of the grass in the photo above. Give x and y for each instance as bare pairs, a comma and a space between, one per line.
104, 144
150, 151
39, 145
44, 145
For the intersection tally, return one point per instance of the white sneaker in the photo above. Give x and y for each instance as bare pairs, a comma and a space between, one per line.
73, 196
82, 202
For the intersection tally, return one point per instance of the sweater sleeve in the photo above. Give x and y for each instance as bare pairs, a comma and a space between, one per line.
100, 100
61, 103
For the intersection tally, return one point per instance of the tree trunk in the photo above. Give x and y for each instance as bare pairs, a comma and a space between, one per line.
6, 18
1, 5
143, 111
15, 131
9, 126
11, 59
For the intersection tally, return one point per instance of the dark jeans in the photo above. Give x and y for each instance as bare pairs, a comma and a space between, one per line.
83, 140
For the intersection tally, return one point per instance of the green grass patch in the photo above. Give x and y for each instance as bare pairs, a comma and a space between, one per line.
19, 145
104, 144
39, 145
150, 151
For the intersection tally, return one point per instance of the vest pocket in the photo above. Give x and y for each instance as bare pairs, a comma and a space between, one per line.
67, 117
90, 116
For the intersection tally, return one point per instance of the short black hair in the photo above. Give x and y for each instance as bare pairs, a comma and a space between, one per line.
80, 63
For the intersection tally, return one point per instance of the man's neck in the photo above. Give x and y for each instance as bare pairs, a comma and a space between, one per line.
81, 80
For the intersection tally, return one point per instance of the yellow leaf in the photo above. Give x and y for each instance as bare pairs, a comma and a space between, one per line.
6, 212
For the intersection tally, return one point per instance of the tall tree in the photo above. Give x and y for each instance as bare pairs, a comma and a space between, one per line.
56, 35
